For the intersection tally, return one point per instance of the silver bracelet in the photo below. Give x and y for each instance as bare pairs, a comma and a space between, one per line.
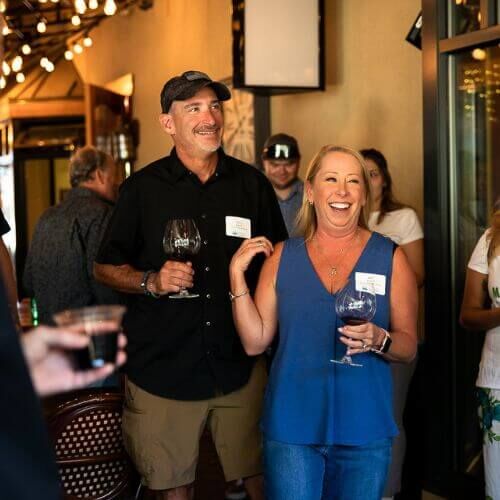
233, 296
150, 292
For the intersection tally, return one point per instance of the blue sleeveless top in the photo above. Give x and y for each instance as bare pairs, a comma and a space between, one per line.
310, 400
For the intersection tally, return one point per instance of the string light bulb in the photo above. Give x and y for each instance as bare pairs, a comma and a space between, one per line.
3, 6
6, 30
77, 48
3, 82
87, 41
20, 77
110, 7
93, 4
68, 55
5, 68
49, 67
16, 64
26, 49
41, 26
80, 6
42, 1
44, 61
75, 20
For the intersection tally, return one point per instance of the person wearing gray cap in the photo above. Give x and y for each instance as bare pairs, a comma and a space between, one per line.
186, 366
281, 162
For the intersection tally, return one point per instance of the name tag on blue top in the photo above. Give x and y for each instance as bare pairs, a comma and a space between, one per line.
368, 282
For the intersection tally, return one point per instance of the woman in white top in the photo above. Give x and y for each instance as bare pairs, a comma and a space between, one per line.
481, 311
400, 223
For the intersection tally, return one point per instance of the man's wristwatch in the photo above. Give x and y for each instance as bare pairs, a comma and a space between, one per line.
386, 344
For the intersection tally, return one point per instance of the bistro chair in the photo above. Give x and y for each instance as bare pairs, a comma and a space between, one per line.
86, 432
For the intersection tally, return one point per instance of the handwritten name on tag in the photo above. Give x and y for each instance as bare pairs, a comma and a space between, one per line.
239, 227
368, 282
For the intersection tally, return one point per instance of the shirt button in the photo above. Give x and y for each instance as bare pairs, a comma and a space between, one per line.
208, 323
203, 216
207, 269
208, 296
205, 242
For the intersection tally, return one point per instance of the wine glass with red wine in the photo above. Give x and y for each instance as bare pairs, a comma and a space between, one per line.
354, 307
181, 242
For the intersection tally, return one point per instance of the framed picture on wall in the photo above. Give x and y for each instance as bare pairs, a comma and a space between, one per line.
239, 124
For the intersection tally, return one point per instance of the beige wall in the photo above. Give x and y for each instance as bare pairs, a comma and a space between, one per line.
374, 77
374, 91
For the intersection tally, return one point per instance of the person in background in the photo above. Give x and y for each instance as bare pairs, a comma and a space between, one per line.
327, 427
59, 265
39, 359
186, 366
7, 273
281, 162
481, 311
400, 223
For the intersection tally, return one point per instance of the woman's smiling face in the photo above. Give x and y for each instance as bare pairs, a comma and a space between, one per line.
338, 192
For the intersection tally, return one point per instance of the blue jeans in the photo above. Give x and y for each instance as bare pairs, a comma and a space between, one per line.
335, 472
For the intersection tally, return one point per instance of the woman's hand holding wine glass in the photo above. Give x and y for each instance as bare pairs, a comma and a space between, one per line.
361, 338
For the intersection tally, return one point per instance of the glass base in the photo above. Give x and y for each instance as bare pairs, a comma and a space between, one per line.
346, 360
184, 294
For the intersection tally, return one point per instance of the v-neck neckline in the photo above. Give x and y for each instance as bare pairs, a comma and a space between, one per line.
317, 276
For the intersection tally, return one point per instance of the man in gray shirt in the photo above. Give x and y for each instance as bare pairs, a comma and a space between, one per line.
281, 161
59, 266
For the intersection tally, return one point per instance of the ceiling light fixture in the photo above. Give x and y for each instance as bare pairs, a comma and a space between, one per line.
110, 7
41, 27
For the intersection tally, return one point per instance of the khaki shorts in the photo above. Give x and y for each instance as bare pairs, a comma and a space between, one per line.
162, 435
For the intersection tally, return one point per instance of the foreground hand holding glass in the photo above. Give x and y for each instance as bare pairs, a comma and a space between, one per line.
354, 307
101, 324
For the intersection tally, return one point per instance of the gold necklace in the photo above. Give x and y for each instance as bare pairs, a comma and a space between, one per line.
333, 269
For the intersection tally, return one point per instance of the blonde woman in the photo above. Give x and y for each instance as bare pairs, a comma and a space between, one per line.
482, 286
327, 428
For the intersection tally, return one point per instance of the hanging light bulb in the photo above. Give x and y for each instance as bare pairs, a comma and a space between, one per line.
49, 67
20, 77
93, 4
75, 20
44, 61
68, 55
54, 1
80, 6
110, 7
5, 68
16, 64
6, 30
87, 41
41, 27
26, 49
3, 6
77, 48
42, 1
3, 82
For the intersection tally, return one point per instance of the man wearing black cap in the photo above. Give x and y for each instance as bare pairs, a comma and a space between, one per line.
186, 365
281, 161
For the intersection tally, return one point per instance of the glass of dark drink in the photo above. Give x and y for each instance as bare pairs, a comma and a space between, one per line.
354, 307
102, 324
181, 242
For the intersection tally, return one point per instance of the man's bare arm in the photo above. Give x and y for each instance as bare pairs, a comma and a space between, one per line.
124, 278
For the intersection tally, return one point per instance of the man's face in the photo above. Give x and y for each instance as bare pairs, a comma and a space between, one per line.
196, 124
281, 173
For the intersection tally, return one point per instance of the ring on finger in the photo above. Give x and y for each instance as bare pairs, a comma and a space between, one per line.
364, 345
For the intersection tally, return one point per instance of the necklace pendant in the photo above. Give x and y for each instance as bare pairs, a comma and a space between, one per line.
333, 271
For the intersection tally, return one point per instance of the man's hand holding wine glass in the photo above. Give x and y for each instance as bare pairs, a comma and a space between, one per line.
172, 277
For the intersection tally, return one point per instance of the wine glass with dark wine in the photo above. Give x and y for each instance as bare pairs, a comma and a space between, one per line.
181, 242
354, 307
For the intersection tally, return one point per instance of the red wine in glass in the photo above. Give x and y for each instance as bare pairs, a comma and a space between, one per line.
181, 243
354, 307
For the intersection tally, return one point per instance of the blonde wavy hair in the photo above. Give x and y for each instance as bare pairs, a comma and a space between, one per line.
494, 234
306, 221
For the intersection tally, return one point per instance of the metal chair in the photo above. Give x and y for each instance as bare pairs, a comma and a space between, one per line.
86, 432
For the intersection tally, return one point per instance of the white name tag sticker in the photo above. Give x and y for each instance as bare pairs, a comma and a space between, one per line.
239, 227
370, 283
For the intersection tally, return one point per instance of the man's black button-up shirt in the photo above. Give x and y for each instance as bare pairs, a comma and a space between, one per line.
188, 349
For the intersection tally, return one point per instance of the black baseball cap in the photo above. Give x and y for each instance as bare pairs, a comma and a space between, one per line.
281, 147
180, 88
